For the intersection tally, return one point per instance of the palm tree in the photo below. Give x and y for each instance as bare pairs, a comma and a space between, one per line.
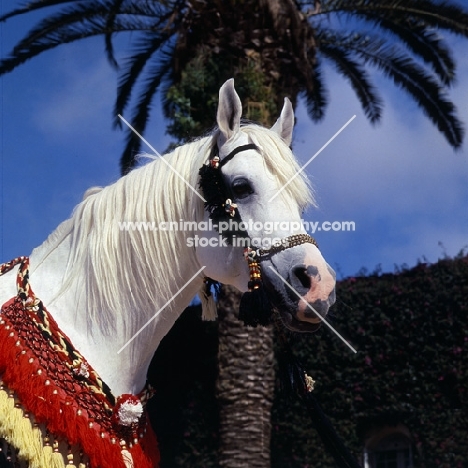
245, 387
289, 39
186, 49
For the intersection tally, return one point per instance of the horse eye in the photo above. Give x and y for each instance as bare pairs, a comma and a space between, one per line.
241, 188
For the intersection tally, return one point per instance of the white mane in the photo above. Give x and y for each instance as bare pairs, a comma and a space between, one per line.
130, 270
281, 162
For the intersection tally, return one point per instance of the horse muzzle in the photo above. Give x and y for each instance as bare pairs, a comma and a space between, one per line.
315, 289
303, 292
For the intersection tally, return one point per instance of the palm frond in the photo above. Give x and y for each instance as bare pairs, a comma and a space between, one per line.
439, 14
407, 74
148, 45
141, 111
414, 23
424, 43
75, 23
316, 94
109, 47
156, 11
32, 6
421, 40
358, 78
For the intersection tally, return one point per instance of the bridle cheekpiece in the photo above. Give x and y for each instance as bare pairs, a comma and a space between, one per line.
255, 307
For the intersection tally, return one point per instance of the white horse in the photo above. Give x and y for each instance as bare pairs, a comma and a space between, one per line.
115, 289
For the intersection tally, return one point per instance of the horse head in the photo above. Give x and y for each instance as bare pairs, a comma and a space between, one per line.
255, 194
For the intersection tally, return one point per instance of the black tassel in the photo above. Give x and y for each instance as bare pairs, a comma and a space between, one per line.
255, 308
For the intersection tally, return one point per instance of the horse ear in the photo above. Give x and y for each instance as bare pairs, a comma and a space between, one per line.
285, 123
229, 111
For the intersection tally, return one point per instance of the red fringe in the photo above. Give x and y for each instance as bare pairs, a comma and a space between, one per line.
59, 412
148, 451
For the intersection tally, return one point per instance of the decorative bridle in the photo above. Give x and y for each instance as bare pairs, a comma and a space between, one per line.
255, 307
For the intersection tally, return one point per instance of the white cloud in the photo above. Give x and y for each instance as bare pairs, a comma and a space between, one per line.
83, 96
400, 181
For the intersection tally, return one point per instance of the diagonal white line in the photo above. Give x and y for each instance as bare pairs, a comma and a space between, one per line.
160, 310
310, 307
312, 158
159, 156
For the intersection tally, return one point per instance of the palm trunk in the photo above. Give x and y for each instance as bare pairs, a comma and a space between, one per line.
245, 388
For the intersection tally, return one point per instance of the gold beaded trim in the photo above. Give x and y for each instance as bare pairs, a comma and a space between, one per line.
288, 243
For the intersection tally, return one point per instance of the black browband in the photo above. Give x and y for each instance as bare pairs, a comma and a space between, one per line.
211, 172
235, 151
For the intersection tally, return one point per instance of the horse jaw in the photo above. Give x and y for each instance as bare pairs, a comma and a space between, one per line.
222, 261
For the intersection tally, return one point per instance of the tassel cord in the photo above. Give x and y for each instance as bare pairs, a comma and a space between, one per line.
294, 381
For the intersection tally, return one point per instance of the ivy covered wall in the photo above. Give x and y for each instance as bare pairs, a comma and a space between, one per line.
411, 333
411, 368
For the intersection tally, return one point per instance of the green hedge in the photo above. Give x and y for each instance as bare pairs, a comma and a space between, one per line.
411, 333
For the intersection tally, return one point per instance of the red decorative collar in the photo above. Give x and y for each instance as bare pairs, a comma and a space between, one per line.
56, 384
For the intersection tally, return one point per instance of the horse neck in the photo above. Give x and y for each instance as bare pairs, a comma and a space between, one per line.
122, 367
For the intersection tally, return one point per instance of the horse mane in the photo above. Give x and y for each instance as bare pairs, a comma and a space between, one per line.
129, 270
281, 162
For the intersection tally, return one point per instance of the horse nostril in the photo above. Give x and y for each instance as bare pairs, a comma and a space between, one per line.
300, 272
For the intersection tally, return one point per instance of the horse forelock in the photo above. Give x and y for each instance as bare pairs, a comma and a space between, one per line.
282, 163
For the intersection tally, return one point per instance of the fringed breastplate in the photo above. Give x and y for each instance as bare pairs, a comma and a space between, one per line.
54, 408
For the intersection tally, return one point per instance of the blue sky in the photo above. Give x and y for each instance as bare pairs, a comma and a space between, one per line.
400, 182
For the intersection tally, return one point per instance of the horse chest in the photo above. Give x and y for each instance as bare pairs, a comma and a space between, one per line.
54, 408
